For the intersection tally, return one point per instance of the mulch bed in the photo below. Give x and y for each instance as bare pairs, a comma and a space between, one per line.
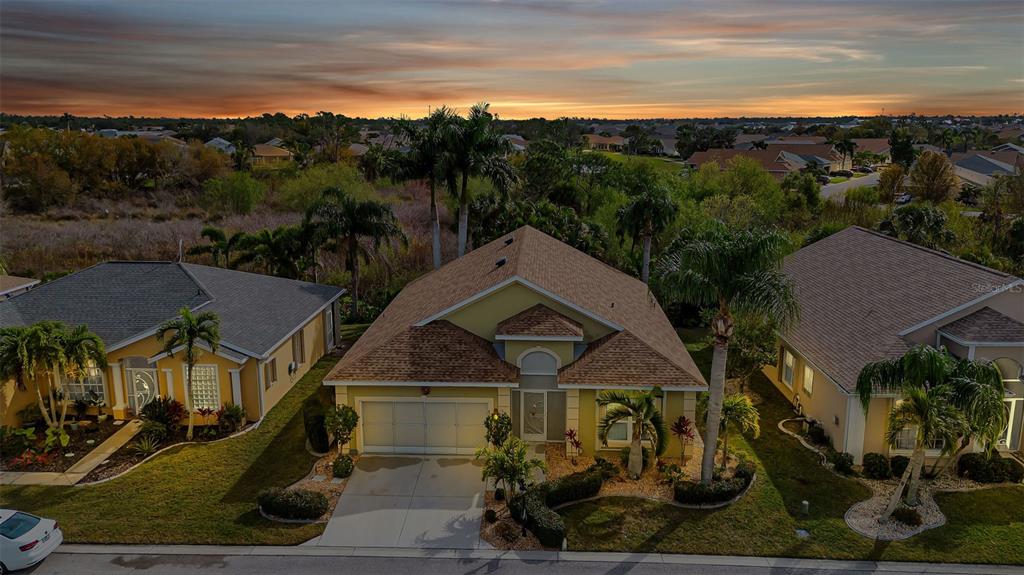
324, 468
125, 457
650, 484
89, 435
505, 533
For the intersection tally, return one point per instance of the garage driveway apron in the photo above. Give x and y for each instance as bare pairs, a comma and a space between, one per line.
433, 502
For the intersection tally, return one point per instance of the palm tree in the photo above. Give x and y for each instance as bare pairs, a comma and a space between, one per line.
845, 146
347, 219
274, 250
429, 159
477, 149
644, 216
81, 349
187, 333
943, 398
736, 271
738, 412
220, 245
242, 156
640, 408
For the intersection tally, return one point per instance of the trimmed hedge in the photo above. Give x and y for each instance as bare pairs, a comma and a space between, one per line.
876, 466
696, 493
293, 503
313, 422
983, 469
539, 499
899, 464
342, 466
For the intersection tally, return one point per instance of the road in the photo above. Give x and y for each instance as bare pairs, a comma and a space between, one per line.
181, 564
837, 190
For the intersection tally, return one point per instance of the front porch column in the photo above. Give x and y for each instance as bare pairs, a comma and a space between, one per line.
572, 411
119, 407
169, 380
505, 400
236, 386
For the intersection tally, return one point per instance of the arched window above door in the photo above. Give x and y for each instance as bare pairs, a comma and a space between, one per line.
538, 361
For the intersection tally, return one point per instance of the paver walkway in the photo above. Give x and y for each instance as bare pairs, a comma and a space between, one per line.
81, 468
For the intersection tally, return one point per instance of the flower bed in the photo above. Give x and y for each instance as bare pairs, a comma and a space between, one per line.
87, 437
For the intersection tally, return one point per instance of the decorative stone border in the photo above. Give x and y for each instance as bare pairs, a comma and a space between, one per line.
898, 537
270, 517
161, 450
672, 502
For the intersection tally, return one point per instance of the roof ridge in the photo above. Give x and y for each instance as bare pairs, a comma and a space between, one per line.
939, 253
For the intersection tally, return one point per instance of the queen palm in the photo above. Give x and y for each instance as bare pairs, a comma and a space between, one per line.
187, 333
347, 219
220, 245
733, 271
640, 408
477, 150
943, 399
644, 216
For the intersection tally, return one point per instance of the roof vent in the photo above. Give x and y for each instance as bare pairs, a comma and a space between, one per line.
509, 240
501, 262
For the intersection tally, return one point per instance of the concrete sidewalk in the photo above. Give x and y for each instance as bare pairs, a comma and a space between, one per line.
773, 563
81, 468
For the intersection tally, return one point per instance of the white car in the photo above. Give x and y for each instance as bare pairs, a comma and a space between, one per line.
25, 539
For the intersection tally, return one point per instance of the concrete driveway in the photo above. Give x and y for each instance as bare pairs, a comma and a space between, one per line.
837, 191
433, 502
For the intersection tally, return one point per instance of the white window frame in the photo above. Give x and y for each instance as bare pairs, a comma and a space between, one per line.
216, 384
788, 361
93, 372
616, 443
808, 383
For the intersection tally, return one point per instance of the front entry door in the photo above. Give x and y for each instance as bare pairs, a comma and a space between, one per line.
142, 387
534, 415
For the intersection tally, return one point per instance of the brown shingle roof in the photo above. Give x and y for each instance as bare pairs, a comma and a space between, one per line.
621, 358
769, 159
876, 145
859, 289
539, 262
438, 352
540, 320
986, 325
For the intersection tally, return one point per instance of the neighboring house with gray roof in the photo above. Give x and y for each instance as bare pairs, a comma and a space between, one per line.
272, 330
865, 297
221, 144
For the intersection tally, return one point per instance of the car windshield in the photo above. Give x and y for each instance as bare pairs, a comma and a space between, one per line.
17, 525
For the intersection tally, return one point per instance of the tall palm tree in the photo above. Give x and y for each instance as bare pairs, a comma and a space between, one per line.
274, 251
220, 245
187, 333
957, 401
644, 216
640, 408
735, 271
477, 149
738, 412
81, 349
347, 219
429, 159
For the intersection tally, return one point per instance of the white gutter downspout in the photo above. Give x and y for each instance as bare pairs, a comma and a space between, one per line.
259, 386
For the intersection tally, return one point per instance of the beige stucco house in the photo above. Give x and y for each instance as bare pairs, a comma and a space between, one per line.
864, 297
272, 330
525, 325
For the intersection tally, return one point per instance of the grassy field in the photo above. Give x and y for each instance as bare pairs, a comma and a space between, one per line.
983, 526
193, 494
659, 164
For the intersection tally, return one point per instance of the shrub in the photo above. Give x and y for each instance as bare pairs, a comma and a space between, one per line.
817, 434
716, 492
624, 458
876, 466
1014, 470
313, 422
343, 466
607, 468
491, 515
907, 516
145, 445
745, 470
230, 417
984, 469
164, 410
154, 430
293, 503
499, 427
16, 440
539, 499
899, 464
236, 193
843, 462
341, 420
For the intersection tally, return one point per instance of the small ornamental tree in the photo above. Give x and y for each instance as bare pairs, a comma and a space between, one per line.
341, 421
508, 464
499, 427
682, 429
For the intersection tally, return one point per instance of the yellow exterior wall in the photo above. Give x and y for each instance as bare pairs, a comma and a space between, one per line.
314, 350
875, 424
482, 317
563, 349
825, 403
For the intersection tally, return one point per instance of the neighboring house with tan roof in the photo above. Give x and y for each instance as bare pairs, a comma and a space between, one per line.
268, 154
864, 297
878, 146
605, 143
978, 168
525, 325
777, 160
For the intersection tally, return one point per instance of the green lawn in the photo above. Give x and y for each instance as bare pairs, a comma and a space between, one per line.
658, 164
193, 494
837, 179
983, 526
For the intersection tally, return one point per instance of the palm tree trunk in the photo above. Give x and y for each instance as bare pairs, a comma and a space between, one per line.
353, 254
894, 499
636, 453
916, 462
716, 392
52, 420
42, 405
646, 270
463, 214
435, 224
188, 403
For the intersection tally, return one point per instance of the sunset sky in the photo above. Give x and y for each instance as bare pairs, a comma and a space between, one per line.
625, 59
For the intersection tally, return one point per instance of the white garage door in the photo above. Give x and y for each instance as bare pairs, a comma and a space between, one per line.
453, 426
